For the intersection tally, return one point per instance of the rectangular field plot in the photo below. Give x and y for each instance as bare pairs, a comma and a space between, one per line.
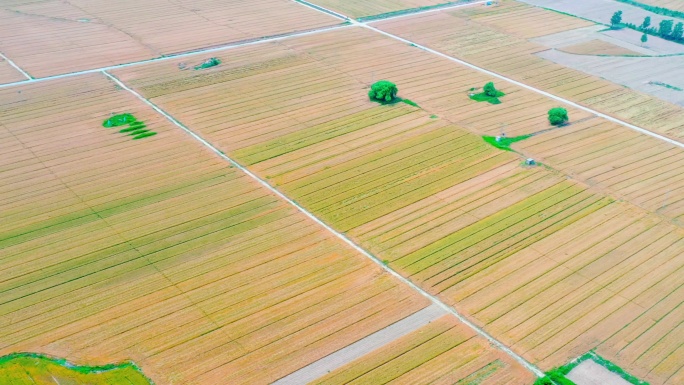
52, 37
638, 168
443, 352
548, 265
498, 39
155, 250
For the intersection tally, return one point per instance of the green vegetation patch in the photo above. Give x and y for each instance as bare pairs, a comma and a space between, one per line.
383, 91
504, 143
211, 62
557, 375
410, 102
119, 120
666, 86
136, 128
490, 94
32, 368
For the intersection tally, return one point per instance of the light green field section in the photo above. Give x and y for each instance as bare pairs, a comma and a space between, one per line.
36, 369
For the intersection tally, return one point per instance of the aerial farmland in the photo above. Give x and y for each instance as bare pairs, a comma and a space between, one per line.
341, 192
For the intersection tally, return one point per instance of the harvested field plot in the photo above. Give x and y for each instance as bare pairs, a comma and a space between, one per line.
634, 72
497, 39
599, 47
548, 265
52, 37
156, 251
442, 352
9, 74
635, 167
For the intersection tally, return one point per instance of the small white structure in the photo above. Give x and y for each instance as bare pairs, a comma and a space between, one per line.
530, 162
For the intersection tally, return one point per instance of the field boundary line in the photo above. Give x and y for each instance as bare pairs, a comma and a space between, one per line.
371, 19
499, 76
363, 346
224, 47
529, 366
13, 64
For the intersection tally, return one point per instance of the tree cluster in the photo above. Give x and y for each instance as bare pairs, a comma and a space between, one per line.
667, 29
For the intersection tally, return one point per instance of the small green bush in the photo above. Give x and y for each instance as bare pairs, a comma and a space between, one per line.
119, 120
490, 90
558, 116
383, 91
211, 62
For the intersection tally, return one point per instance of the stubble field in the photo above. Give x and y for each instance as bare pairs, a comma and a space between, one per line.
51, 37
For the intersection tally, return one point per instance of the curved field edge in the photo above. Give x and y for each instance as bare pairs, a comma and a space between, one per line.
34, 368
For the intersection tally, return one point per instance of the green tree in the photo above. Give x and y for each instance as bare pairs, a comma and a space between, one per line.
665, 28
646, 23
490, 90
383, 91
678, 31
644, 39
558, 116
616, 19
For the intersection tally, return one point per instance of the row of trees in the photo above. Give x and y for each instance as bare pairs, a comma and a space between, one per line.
667, 29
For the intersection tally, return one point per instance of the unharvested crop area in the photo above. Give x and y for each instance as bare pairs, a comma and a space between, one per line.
53, 37
443, 352
33, 369
548, 265
154, 250
497, 38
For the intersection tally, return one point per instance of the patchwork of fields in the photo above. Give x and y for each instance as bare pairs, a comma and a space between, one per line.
444, 352
154, 250
498, 39
549, 266
50, 37
139, 242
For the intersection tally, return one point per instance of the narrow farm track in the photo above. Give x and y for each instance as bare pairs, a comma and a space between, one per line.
548, 265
